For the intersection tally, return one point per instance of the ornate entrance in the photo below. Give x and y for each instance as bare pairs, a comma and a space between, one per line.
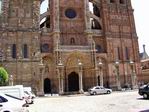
47, 86
73, 82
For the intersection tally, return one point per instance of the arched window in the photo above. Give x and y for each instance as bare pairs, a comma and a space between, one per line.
14, 49
127, 53
96, 24
44, 48
122, 2
99, 49
112, 1
70, 13
72, 41
25, 51
96, 10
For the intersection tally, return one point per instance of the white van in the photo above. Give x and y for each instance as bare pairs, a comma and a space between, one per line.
16, 91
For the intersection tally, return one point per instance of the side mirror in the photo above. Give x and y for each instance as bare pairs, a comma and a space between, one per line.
1, 105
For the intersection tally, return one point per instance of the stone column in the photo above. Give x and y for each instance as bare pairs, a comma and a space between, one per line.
62, 81
133, 75
56, 28
56, 14
59, 82
80, 78
41, 71
36, 14
97, 74
86, 13
118, 78
101, 76
60, 67
100, 64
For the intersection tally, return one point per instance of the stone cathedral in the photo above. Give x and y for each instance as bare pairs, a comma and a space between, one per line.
74, 45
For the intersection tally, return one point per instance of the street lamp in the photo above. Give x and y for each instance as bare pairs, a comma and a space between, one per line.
100, 73
133, 74
117, 75
80, 76
60, 67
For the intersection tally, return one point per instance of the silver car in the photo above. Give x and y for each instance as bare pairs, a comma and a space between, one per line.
99, 90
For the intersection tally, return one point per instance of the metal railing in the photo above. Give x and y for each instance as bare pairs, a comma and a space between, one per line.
68, 48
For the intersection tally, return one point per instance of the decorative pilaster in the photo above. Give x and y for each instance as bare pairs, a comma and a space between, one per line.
87, 18
118, 84
80, 77
5, 11
99, 73
56, 13
40, 81
60, 71
133, 75
36, 13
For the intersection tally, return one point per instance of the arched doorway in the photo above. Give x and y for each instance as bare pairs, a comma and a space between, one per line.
73, 82
47, 86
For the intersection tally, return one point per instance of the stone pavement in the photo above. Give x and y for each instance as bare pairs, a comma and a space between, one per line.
128, 101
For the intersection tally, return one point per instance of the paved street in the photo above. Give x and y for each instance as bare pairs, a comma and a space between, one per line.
128, 101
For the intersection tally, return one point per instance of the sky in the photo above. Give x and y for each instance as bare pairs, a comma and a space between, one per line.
141, 8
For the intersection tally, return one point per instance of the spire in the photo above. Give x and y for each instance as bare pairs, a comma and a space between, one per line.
144, 50
144, 54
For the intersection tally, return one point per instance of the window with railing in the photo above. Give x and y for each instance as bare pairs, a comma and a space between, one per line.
45, 48
99, 49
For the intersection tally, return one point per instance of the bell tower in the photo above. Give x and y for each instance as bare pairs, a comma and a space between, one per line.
68, 17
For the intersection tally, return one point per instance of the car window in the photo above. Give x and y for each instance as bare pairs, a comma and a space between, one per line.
97, 88
12, 97
26, 92
2, 99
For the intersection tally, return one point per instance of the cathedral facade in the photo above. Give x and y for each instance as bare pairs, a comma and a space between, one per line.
74, 45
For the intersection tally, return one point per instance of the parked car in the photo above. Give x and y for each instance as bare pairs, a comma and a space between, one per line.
144, 91
28, 98
12, 104
99, 90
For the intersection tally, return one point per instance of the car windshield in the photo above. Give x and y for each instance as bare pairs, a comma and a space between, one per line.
2, 99
12, 97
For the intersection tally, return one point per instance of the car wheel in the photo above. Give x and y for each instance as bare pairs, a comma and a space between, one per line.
108, 92
94, 93
145, 95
